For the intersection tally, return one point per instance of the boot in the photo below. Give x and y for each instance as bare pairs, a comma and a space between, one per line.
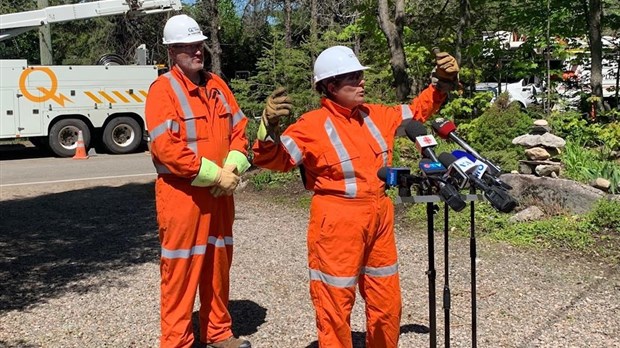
231, 342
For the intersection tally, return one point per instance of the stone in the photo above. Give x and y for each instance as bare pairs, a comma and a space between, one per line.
601, 184
525, 168
568, 195
541, 122
546, 169
551, 140
553, 151
528, 214
528, 140
537, 154
539, 130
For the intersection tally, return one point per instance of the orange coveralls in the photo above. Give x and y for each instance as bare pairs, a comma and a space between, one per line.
187, 122
351, 229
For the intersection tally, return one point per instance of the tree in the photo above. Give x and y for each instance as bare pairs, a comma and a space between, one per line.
393, 31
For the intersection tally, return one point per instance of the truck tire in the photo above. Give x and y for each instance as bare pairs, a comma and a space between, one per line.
122, 135
63, 136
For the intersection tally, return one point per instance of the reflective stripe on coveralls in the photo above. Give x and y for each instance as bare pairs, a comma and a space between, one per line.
188, 114
344, 282
350, 189
196, 250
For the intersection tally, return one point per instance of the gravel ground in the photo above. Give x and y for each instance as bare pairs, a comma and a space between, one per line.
79, 268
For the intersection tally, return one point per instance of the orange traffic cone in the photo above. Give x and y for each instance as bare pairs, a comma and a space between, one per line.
80, 150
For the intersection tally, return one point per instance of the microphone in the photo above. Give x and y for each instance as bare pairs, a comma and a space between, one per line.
497, 197
458, 169
424, 142
447, 191
400, 177
481, 171
446, 129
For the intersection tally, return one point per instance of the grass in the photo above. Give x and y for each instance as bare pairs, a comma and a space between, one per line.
584, 165
572, 232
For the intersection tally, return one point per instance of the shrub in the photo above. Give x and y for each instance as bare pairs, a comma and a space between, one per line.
606, 214
493, 131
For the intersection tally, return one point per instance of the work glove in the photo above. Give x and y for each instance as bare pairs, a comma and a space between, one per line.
226, 182
278, 105
445, 75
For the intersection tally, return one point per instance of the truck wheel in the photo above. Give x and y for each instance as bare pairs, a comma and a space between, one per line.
63, 136
122, 135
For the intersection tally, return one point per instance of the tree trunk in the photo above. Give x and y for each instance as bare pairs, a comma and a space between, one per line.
287, 23
393, 32
215, 49
595, 14
314, 25
462, 28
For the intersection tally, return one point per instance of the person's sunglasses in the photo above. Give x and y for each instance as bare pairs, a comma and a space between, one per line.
351, 78
193, 47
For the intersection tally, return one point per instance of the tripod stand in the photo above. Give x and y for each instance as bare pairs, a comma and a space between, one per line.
431, 209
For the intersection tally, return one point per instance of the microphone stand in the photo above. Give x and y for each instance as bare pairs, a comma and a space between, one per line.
472, 256
431, 208
446, 287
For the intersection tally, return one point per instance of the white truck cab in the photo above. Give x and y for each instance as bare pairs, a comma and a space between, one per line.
522, 92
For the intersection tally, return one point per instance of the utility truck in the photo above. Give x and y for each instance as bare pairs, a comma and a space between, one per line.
50, 104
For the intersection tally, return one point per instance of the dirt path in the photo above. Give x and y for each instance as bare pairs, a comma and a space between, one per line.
79, 268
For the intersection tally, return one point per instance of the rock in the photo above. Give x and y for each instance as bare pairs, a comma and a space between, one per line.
541, 122
565, 194
528, 140
525, 168
551, 140
539, 130
537, 154
601, 184
547, 169
529, 214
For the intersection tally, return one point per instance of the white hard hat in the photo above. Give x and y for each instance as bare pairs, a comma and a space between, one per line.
336, 60
182, 29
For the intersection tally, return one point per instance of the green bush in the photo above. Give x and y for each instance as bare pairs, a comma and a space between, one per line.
492, 133
606, 214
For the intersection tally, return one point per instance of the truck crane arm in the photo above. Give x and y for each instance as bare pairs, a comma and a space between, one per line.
13, 24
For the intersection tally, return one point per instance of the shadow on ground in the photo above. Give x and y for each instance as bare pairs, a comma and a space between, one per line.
246, 315
359, 338
48, 243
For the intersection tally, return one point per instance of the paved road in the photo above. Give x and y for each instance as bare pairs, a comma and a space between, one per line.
28, 167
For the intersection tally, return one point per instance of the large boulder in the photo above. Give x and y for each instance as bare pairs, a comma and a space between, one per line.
551, 193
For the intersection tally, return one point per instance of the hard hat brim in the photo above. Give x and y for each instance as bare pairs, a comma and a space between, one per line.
341, 72
189, 39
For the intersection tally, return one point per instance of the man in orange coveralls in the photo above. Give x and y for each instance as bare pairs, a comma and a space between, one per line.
342, 145
199, 149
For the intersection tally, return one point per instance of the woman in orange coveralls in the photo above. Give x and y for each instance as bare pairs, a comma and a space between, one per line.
350, 239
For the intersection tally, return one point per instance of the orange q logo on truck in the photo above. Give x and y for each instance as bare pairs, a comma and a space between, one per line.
45, 94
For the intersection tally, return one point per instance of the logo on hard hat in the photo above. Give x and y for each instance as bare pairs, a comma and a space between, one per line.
194, 30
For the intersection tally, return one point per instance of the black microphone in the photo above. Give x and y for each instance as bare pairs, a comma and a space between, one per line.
400, 177
424, 142
446, 129
497, 197
481, 171
447, 191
